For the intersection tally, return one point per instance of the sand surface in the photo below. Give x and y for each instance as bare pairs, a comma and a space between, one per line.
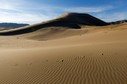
91, 55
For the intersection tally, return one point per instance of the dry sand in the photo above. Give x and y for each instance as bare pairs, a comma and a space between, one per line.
91, 55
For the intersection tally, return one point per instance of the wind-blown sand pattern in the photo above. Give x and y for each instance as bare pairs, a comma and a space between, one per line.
90, 55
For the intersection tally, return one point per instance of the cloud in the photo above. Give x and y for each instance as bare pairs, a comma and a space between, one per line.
88, 9
22, 18
25, 11
109, 17
20, 11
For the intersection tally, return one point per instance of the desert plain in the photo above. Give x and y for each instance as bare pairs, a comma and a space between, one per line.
59, 55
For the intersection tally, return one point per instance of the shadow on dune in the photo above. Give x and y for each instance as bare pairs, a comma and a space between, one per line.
68, 20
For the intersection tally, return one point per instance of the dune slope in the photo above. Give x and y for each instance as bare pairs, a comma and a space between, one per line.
69, 20
95, 57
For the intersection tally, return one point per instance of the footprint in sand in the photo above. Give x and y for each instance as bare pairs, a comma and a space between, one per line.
102, 54
46, 60
60, 60
16, 64
30, 64
83, 57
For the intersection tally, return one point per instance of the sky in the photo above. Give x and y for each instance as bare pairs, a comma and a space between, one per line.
35, 11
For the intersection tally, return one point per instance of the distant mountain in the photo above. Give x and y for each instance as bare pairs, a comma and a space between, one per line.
118, 22
11, 25
67, 20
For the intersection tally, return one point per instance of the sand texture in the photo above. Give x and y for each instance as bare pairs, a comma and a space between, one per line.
90, 55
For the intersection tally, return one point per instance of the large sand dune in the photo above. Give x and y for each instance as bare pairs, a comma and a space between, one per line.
90, 55
67, 20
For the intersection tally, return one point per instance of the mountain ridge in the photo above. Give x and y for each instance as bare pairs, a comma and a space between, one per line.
12, 25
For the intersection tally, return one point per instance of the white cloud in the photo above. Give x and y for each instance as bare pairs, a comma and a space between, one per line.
21, 12
25, 11
88, 9
22, 18
109, 17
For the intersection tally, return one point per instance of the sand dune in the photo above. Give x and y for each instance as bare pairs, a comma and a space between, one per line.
69, 21
90, 55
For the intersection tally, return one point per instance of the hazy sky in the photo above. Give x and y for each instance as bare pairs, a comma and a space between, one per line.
34, 11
